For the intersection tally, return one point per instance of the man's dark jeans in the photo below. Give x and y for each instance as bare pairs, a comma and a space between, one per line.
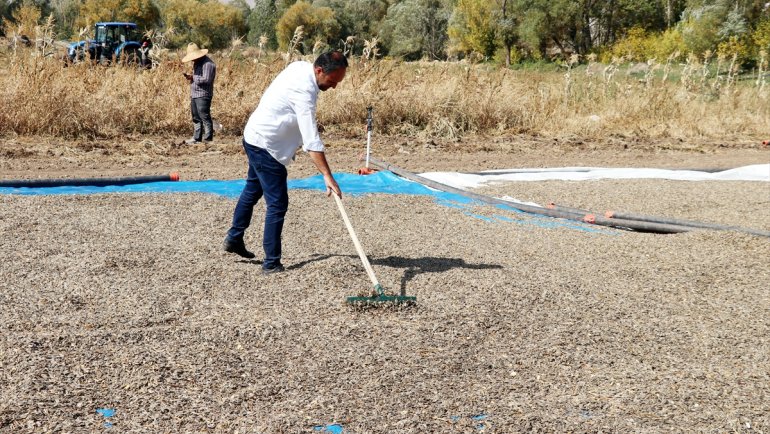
266, 177
201, 117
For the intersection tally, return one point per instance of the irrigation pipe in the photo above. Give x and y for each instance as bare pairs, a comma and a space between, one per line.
94, 182
577, 216
572, 170
655, 219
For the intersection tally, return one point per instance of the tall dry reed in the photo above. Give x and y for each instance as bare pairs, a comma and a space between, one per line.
42, 96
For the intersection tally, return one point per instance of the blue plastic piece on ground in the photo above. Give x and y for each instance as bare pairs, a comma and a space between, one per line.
331, 428
106, 412
477, 418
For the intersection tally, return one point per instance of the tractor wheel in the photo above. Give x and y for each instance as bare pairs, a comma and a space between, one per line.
130, 57
79, 56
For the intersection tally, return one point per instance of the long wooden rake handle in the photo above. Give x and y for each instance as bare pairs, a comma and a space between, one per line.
357, 243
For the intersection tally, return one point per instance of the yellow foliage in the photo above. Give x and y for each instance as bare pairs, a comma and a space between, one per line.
472, 29
735, 46
142, 12
667, 43
634, 46
640, 46
209, 24
760, 38
26, 18
319, 23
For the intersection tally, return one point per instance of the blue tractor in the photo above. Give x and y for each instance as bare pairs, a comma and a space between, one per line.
113, 42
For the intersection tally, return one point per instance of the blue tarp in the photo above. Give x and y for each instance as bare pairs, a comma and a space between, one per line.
383, 182
354, 185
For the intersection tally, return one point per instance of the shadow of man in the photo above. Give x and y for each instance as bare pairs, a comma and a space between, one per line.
413, 266
428, 264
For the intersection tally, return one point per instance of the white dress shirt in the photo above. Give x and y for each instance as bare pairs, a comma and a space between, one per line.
286, 115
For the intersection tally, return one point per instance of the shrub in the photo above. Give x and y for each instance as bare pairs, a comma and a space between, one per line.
641, 46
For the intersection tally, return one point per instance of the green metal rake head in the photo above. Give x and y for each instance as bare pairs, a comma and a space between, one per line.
380, 297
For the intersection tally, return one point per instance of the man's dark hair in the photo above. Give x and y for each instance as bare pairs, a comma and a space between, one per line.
331, 61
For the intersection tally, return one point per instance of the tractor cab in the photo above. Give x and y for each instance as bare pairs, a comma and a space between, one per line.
111, 35
112, 40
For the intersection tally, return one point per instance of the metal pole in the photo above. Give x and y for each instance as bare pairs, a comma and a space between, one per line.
369, 122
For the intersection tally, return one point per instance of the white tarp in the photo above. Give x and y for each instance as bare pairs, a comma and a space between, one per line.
757, 172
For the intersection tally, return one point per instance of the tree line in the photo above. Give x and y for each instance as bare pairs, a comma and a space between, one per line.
504, 31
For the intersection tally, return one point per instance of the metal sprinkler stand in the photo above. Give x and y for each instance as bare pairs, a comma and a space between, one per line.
369, 123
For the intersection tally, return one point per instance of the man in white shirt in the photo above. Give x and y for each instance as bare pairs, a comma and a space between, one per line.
284, 120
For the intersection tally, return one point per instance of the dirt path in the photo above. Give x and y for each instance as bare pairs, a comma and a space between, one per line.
224, 159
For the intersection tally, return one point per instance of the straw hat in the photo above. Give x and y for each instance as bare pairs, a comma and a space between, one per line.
193, 52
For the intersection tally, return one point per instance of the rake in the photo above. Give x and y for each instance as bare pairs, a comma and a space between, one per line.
379, 296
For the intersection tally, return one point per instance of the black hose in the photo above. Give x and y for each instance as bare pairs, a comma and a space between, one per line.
655, 219
94, 182
695, 224
577, 216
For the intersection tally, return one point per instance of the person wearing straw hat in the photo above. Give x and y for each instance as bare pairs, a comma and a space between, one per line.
284, 120
201, 92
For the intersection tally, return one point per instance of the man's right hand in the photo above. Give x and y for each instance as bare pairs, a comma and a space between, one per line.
332, 187
319, 159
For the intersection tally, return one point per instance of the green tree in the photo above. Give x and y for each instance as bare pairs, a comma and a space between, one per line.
613, 18
416, 28
358, 18
707, 23
701, 22
65, 14
506, 23
319, 24
548, 22
581, 26
262, 20
284, 5
243, 6
672, 9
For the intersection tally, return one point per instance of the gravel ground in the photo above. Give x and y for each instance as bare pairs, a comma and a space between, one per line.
729, 203
126, 302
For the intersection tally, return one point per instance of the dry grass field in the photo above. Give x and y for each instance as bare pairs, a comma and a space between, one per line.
120, 313
38, 96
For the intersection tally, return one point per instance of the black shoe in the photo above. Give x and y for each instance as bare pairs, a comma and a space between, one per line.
277, 269
239, 248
